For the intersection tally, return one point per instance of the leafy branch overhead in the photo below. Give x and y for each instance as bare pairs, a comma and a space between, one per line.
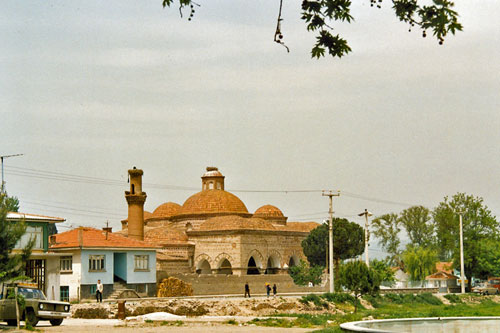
319, 15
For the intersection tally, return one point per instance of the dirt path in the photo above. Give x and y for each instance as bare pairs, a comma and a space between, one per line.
113, 325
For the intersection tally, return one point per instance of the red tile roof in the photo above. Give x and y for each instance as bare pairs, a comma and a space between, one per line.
444, 267
93, 238
441, 276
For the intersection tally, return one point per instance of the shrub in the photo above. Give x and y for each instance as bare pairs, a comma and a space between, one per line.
339, 298
314, 299
453, 298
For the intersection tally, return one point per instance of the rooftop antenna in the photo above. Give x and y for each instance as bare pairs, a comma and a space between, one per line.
2, 188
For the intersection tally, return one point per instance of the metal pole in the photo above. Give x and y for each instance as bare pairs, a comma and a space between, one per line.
330, 246
462, 275
1, 160
366, 239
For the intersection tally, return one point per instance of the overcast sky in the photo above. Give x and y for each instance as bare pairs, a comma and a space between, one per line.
93, 88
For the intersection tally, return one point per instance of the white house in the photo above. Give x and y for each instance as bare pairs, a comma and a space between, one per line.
91, 254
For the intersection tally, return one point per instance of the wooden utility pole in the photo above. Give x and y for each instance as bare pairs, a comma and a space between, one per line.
330, 194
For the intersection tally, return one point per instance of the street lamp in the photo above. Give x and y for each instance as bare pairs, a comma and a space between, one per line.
366, 213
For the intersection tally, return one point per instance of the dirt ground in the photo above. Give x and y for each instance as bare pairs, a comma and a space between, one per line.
113, 325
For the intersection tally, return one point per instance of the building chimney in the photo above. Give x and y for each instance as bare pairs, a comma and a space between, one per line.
135, 200
80, 237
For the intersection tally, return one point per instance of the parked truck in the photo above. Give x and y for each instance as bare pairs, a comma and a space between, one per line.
36, 308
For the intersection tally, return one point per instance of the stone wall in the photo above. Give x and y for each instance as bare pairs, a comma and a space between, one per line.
233, 284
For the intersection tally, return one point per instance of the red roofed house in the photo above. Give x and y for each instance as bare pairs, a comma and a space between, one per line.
119, 262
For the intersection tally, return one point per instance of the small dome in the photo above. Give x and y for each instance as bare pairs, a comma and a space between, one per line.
213, 201
212, 172
166, 209
233, 222
268, 211
160, 236
147, 215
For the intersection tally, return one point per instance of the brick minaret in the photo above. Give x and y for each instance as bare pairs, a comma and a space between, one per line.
135, 200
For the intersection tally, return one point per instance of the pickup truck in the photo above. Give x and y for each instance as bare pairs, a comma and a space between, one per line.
37, 307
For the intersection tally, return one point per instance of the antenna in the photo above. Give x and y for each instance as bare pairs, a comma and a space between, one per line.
1, 158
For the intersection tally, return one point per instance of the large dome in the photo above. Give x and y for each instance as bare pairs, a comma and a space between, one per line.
167, 209
213, 202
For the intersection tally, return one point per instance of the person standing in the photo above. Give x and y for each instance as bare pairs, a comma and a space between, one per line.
275, 290
247, 290
98, 291
268, 289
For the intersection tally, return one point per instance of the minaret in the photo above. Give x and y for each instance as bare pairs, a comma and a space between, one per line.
135, 200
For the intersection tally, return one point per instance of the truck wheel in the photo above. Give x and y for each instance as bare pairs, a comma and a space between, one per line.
56, 322
31, 317
11, 322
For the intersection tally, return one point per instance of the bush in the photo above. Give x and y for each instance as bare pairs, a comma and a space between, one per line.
339, 298
314, 299
425, 298
453, 298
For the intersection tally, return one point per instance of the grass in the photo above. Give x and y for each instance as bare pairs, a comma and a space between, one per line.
384, 307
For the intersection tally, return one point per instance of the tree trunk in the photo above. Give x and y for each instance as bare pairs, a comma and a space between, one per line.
337, 274
17, 307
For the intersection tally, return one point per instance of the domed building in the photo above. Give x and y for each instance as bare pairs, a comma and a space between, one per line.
213, 233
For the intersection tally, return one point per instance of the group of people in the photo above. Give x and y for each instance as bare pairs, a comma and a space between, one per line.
268, 290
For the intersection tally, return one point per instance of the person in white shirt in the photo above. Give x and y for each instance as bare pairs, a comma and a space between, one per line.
98, 292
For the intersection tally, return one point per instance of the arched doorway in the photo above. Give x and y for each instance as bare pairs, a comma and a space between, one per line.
203, 267
225, 268
252, 267
273, 265
294, 261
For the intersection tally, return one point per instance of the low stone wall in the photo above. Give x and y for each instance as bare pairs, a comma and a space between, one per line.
233, 284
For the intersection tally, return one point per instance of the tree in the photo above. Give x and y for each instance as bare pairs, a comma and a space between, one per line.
348, 242
11, 264
419, 262
386, 228
479, 227
359, 279
302, 274
438, 17
383, 269
417, 221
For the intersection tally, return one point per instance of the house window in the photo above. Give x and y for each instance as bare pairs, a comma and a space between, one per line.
64, 292
96, 263
141, 263
93, 288
66, 264
35, 233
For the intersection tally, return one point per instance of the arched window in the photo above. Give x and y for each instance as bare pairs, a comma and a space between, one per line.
252, 267
225, 268
203, 267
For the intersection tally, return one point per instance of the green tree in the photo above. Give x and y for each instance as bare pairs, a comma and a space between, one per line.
359, 279
417, 221
419, 262
348, 242
383, 269
12, 265
488, 263
319, 16
387, 228
479, 226
302, 273
11, 204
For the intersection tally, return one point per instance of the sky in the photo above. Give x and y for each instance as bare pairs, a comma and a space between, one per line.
89, 89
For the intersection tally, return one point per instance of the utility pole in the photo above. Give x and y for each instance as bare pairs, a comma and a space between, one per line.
1, 158
462, 275
366, 213
330, 194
